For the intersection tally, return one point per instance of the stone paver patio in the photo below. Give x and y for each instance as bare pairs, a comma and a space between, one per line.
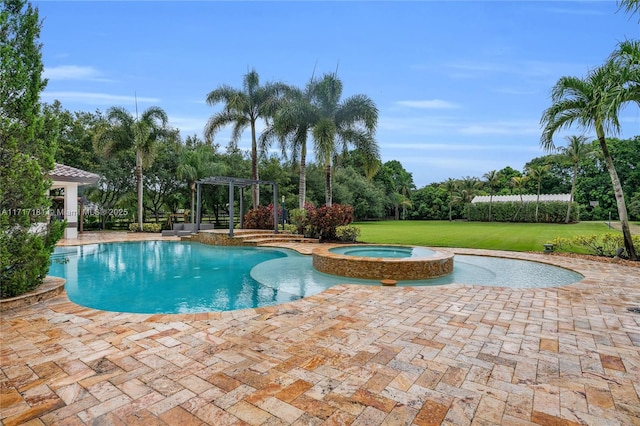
352, 355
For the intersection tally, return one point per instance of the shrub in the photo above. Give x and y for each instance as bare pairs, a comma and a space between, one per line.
514, 211
290, 228
152, 227
348, 233
324, 220
28, 255
598, 245
260, 217
298, 218
147, 227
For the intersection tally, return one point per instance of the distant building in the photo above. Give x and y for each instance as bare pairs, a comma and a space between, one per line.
525, 198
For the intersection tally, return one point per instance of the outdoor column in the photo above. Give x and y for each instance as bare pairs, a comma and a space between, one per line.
71, 210
198, 207
275, 208
230, 208
242, 207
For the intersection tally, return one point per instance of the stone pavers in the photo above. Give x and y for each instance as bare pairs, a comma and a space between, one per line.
454, 355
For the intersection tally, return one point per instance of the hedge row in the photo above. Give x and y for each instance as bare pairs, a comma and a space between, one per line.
548, 212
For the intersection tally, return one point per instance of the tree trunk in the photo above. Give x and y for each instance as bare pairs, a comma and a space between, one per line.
617, 190
327, 184
490, 202
302, 191
573, 188
140, 188
537, 201
450, 213
255, 190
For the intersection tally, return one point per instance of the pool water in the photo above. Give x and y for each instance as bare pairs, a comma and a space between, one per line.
165, 277
398, 252
176, 277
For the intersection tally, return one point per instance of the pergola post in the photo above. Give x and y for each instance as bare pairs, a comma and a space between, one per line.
198, 208
275, 208
242, 207
230, 208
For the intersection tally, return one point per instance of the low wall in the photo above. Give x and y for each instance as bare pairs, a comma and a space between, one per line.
376, 268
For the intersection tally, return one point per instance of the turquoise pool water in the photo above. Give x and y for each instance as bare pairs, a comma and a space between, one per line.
397, 252
176, 277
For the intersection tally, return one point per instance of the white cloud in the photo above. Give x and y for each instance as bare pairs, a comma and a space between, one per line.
502, 128
428, 104
92, 98
188, 125
455, 146
73, 72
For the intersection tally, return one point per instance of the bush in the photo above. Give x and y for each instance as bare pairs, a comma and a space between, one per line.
514, 211
27, 255
324, 220
298, 218
260, 217
347, 233
599, 245
147, 227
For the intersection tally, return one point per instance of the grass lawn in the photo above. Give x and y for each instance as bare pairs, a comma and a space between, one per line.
481, 235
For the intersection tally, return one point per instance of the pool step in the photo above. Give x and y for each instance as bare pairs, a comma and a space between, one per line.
268, 240
247, 237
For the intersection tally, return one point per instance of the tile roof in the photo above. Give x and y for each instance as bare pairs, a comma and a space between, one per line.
64, 173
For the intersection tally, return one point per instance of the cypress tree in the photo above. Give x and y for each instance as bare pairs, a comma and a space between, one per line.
27, 151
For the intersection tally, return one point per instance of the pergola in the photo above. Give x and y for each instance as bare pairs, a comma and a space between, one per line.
233, 182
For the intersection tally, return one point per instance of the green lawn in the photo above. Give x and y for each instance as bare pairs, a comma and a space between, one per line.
496, 236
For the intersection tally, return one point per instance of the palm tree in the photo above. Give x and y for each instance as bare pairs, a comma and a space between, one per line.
291, 125
537, 173
451, 186
404, 185
629, 6
196, 164
576, 150
244, 107
352, 121
493, 180
594, 102
519, 182
123, 131
467, 189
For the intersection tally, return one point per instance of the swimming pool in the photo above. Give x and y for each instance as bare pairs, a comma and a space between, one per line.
183, 277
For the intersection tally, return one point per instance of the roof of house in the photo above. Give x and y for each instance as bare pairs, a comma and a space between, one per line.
62, 173
525, 198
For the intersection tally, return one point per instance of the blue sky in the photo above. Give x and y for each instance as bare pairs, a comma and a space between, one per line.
460, 86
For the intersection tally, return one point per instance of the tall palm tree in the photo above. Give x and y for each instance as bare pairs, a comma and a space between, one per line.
197, 163
123, 131
291, 125
538, 173
594, 103
492, 180
576, 150
244, 108
467, 189
519, 182
339, 124
404, 185
451, 186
